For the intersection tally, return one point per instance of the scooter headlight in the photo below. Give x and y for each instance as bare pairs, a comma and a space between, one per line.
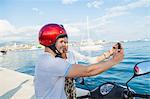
106, 88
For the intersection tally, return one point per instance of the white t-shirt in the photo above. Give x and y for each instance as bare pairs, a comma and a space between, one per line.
50, 76
71, 58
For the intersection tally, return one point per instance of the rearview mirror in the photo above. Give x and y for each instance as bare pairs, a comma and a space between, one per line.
142, 68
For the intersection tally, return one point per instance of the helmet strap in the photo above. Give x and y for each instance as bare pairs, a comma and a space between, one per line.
54, 49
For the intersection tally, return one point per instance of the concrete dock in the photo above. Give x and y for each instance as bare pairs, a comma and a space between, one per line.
15, 85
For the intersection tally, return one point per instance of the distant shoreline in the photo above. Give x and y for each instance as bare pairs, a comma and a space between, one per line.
18, 47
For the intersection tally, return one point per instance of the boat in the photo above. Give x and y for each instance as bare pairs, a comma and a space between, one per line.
3, 52
89, 44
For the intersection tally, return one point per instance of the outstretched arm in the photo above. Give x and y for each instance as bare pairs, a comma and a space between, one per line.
93, 60
109, 53
78, 70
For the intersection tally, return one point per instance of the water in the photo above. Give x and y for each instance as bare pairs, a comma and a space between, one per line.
135, 51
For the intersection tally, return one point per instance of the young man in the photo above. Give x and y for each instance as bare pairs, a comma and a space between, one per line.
73, 57
52, 69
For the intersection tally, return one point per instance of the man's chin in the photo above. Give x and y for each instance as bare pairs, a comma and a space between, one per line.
64, 51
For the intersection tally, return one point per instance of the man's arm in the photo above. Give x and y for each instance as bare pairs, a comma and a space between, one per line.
105, 55
78, 70
93, 60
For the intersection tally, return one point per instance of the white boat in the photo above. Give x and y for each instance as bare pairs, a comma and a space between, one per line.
2, 53
89, 44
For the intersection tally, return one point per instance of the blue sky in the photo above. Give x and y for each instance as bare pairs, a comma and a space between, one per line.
20, 20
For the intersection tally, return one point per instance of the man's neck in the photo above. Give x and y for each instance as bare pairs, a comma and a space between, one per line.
64, 55
50, 51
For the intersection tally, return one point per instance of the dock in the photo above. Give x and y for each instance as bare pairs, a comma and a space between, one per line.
15, 85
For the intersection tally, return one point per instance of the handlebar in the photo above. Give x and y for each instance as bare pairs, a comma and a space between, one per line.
129, 93
141, 95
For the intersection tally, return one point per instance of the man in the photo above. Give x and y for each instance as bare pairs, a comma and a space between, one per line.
73, 57
52, 69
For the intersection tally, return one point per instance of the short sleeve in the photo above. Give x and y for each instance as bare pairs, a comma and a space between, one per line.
54, 66
62, 67
71, 58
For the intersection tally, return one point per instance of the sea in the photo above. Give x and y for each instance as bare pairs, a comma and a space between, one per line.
24, 61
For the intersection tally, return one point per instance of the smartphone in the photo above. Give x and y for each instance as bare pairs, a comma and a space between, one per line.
119, 45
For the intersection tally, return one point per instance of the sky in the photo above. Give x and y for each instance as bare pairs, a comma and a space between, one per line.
21, 20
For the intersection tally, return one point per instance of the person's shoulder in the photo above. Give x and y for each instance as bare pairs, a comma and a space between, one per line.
71, 51
70, 54
45, 56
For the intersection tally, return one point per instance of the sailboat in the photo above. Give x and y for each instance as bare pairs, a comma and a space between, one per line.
89, 44
3, 52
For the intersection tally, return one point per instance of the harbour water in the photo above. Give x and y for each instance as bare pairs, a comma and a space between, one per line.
135, 51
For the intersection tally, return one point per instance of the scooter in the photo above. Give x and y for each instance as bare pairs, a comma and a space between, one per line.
111, 90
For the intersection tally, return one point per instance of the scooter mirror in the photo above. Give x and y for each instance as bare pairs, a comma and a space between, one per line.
142, 68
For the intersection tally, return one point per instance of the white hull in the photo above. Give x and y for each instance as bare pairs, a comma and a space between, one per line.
91, 48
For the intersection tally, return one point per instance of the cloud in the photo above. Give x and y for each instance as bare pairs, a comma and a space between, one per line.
107, 23
9, 31
72, 30
127, 0
28, 29
99, 26
133, 5
37, 11
5, 27
119, 11
95, 4
66, 2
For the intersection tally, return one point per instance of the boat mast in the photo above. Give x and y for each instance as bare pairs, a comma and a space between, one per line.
88, 40
87, 25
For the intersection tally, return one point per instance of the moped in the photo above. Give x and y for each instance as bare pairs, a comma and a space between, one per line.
110, 90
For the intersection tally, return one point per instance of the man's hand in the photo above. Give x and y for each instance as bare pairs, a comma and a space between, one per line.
118, 55
115, 47
64, 54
